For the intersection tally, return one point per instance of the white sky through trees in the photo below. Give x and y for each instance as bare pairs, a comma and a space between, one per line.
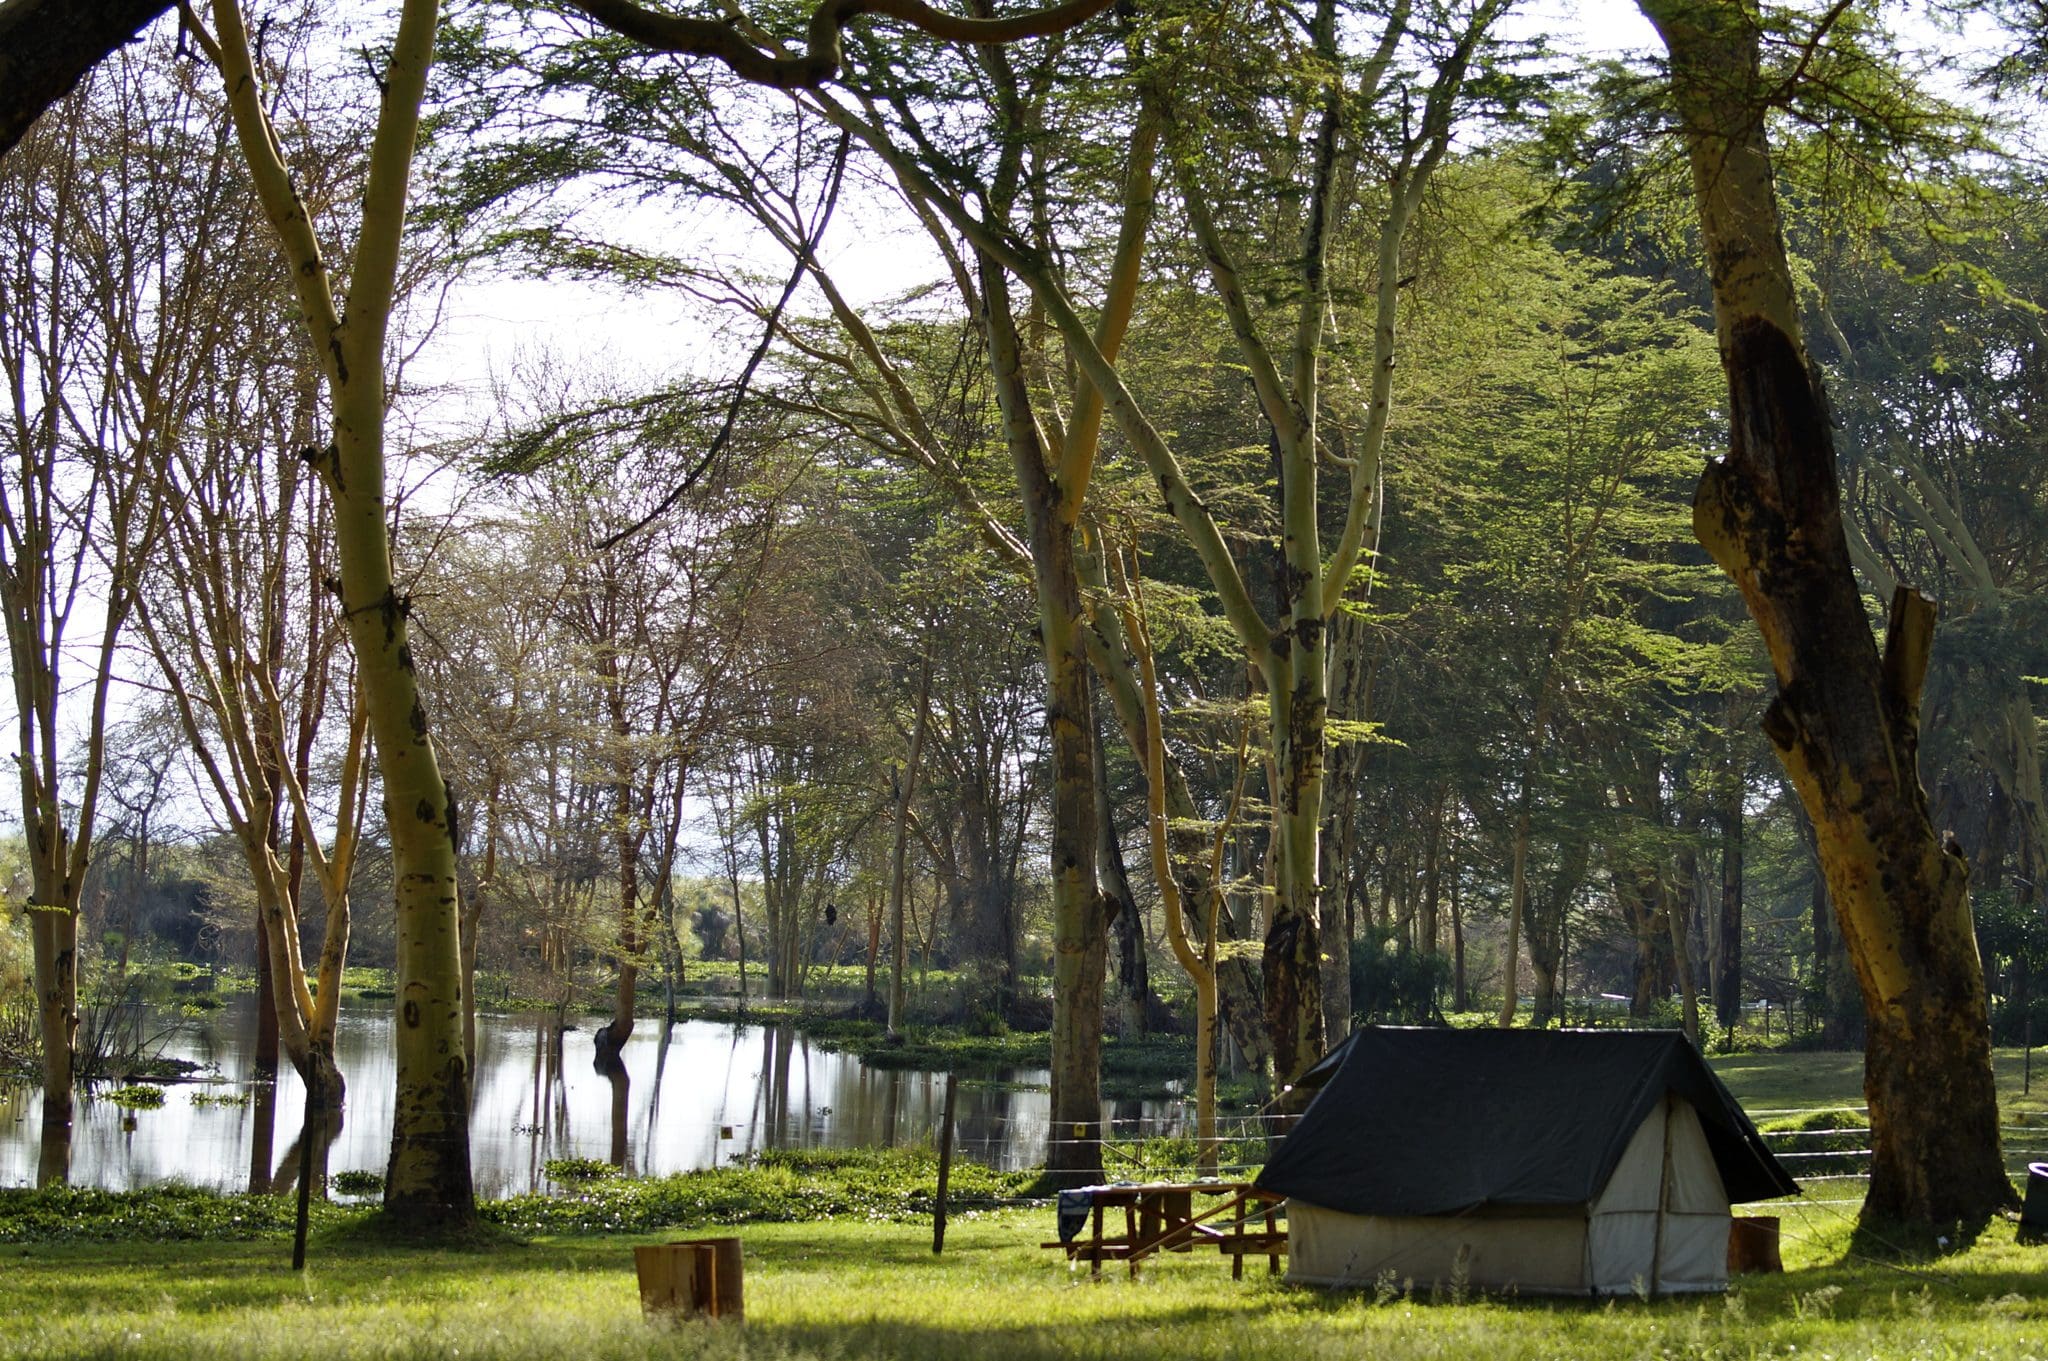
492, 324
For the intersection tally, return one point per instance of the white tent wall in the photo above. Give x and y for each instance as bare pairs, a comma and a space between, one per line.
1691, 1212
1611, 1247
1529, 1252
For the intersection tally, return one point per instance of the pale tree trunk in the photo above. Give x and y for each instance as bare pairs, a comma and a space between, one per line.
82, 436
1728, 970
1237, 975
629, 830
1198, 958
1845, 721
1683, 899
906, 788
1053, 462
53, 929
1518, 897
1350, 699
1546, 960
205, 630
1428, 921
1544, 917
1460, 991
1133, 972
1291, 649
1640, 872
427, 1181
1079, 936
473, 906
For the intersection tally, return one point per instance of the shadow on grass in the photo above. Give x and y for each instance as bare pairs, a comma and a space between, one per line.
378, 1230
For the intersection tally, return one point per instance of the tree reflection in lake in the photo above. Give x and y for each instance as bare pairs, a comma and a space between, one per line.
537, 1097
263, 1128
610, 1065
53, 1155
323, 1126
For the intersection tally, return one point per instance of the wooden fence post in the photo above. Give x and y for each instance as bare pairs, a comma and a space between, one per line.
945, 1171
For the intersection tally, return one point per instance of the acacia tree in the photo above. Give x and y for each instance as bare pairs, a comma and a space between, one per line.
1941, 446
1003, 215
111, 224
741, 46
1196, 954
235, 611
243, 632
978, 795
995, 195
494, 655
650, 621
1845, 719
428, 1180
801, 751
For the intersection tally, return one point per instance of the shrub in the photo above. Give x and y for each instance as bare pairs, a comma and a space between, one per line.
787, 1186
357, 1182
578, 1169
1823, 1143
157, 1215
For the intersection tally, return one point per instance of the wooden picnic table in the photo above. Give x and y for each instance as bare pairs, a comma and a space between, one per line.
1160, 1217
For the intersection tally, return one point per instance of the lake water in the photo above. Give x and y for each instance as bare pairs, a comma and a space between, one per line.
695, 1094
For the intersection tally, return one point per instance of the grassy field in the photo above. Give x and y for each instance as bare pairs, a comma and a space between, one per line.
864, 1282
852, 1289
1775, 1087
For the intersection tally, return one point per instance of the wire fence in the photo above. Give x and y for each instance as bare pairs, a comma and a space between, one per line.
1823, 1156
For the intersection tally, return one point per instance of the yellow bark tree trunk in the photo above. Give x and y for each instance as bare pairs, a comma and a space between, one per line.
1845, 720
427, 1181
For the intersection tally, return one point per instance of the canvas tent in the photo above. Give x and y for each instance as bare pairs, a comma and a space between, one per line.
1534, 1161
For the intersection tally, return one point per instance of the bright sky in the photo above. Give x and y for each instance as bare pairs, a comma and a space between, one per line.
493, 322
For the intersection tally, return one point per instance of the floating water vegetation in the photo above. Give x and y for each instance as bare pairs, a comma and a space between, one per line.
137, 1097
204, 1099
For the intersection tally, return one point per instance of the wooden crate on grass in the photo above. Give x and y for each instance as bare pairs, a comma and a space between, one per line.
696, 1278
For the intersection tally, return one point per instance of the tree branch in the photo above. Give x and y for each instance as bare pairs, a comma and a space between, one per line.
822, 56
47, 46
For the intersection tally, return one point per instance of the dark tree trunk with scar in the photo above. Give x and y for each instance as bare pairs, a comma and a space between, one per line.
1845, 720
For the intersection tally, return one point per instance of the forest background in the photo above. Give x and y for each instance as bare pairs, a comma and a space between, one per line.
747, 661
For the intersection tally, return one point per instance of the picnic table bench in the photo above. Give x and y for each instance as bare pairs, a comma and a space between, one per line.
1161, 1217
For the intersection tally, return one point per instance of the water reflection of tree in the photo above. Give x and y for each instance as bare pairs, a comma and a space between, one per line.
323, 1128
53, 1155
611, 1066
549, 1127
263, 1131
654, 1092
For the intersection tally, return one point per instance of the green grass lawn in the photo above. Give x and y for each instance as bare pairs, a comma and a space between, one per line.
865, 1283
1770, 1080
852, 1289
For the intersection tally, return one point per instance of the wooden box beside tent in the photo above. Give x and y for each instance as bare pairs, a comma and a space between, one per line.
696, 1278
1753, 1244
